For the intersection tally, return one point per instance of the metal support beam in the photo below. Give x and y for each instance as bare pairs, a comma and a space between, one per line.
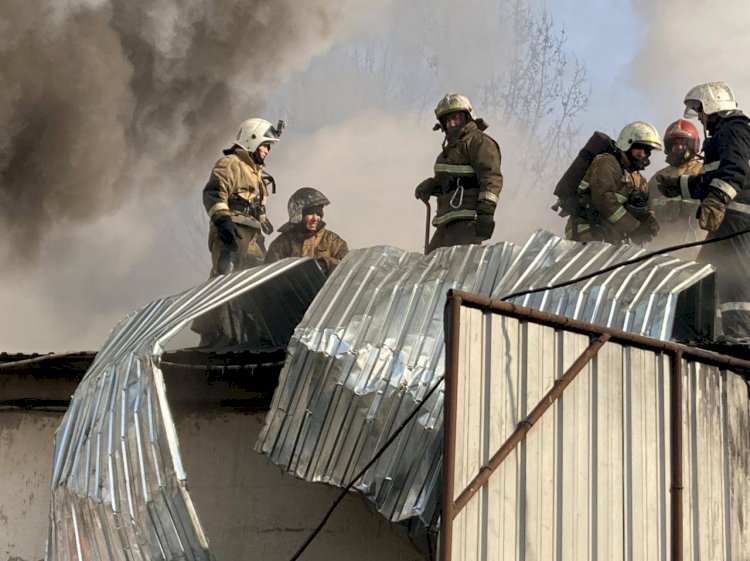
523, 427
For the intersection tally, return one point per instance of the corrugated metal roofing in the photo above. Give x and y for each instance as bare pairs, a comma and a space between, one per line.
640, 298
372, 344
591, 480
118, 485
368, 349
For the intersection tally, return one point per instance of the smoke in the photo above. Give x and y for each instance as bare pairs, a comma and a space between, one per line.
688, 45
112, 114
102, 101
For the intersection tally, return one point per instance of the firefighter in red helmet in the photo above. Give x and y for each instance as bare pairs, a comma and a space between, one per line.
676, 216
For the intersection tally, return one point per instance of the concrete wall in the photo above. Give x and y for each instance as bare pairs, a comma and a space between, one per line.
26, 450
249, 508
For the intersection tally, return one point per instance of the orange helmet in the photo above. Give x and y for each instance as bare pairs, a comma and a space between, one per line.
688, 134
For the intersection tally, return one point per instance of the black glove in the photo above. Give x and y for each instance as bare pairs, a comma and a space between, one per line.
424, 189
645, 231
484, 226
669, 186
227, 231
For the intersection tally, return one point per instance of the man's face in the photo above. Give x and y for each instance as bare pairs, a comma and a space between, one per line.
454, 120
263, 151
678, 146
640, 152
311, 219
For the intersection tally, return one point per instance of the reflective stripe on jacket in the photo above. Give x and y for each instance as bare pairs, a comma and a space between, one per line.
467, 178
610, 186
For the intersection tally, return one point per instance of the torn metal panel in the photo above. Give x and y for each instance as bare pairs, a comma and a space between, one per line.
640, 298
372, 344
118, 483
366, 352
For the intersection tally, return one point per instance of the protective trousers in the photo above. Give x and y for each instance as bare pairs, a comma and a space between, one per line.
218, 327
250, 253
732, 261
458, 232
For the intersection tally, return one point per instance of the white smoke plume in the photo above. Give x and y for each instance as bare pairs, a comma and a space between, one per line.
685, 45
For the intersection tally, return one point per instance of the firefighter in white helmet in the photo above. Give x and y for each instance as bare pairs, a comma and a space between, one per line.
676, 216
467, 180
615, 193
723, 187
235, 198
306, 235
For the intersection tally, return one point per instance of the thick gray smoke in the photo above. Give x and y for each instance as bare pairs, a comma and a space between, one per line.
112, 113
99, 98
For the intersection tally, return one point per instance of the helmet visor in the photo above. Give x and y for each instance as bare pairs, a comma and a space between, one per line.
692, 108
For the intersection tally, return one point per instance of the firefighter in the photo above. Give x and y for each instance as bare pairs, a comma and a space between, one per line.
235, 199
676, 216
467, 180
306, 235
615, 193
723, 187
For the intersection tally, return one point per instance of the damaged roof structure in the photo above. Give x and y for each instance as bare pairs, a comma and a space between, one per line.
369, 347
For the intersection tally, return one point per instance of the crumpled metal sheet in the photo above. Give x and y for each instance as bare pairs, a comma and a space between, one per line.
372, 344
118, 484
640, 298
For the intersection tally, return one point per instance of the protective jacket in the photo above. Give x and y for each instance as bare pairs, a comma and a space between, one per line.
673, 209
238, 187
725, 163
612, 189
467, 180
324, 245
726, 170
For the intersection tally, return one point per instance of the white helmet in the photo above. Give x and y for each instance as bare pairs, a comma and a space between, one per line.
638, 132
255, 132
711, 97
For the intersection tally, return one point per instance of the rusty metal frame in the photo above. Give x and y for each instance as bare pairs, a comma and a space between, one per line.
600, 335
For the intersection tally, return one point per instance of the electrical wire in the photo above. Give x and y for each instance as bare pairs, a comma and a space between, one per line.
518, 294
632, 261
375, 458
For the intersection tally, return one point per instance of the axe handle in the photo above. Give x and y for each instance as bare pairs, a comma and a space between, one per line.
427, 226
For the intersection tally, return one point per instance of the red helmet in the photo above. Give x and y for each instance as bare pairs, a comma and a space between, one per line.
685, 131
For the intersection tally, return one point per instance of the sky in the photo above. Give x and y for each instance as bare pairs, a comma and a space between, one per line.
114, 112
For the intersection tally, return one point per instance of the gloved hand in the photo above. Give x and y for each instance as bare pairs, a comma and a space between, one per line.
646, 231
484, 226
227, 231
266, 227
711, 212
326, 261
669, 186
424, 189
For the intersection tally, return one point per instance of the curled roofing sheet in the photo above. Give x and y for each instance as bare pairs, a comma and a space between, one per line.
640, 298
371, 345
118, 484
